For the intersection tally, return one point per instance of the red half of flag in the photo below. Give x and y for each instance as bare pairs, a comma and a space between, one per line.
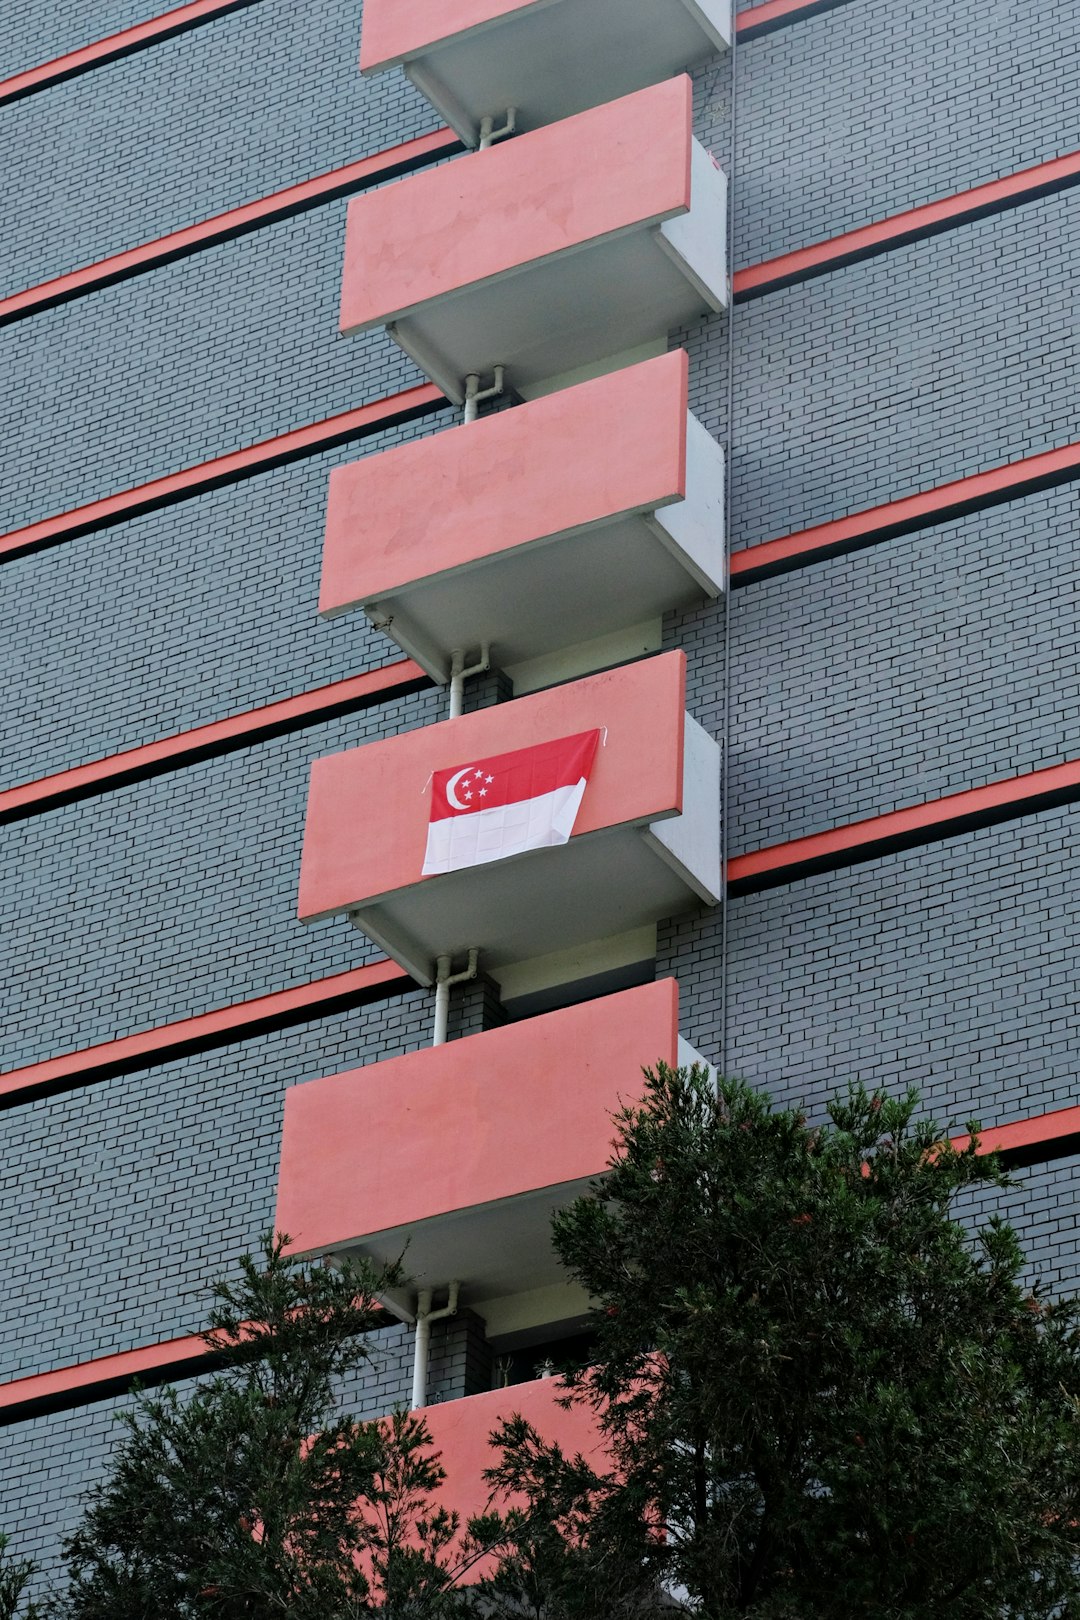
505, 804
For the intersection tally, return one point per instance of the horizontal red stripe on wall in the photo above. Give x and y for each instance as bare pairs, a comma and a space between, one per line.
176, 21
913, 225
209, 741
179, 19
102, 1378
396, 160
779, 14
904, 829
752, 282
377, 981
907, 515
1028, 1141
227, 469
1032, 1141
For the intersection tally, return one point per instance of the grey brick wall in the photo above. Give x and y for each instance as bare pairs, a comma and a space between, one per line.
187, 362
242, 106
189, 1152
950, 968
48, 1463
45, 1466
126, 1198
30, 35
921, 667
176, 619
934, 361
876, 106
1044, 1209
172, 896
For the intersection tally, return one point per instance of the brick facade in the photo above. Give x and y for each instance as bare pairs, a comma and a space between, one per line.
922, 666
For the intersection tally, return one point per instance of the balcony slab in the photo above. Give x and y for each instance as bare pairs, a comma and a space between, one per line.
556, 250
645, 846
456, 1155
573, 517
547, 58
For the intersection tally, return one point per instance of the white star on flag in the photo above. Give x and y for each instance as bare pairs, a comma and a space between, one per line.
531, 800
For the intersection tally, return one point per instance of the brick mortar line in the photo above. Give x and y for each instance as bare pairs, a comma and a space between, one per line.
1037, 1139
178, 20
211, 741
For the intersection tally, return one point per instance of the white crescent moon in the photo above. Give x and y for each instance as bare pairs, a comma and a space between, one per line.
451, 797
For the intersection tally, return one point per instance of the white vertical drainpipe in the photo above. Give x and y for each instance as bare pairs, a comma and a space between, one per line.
443, 980
489, 134
459, 674
475, 395
422, 1344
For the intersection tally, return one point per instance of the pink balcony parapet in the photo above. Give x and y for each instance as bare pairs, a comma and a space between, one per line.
574, 517
476, 58
460, 1432
554, 251
646, 843
462, 1151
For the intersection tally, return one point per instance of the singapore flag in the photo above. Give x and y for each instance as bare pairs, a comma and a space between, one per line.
492, 808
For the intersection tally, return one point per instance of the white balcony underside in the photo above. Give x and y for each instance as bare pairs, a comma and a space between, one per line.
493, 1249
604, 883
559, 592
555, 59
584, 305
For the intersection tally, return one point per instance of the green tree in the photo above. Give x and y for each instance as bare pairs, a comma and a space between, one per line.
253, 1495
15, 1576
822, 1397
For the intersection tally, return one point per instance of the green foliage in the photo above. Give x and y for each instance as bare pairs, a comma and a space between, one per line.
822, 1399
415, 1551
253, 1496
14, 1578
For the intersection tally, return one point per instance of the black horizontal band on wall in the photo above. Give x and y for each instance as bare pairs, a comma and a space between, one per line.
288, 203
757, 21
232, 468
931, 822
205, 1032
214, 740
178, 20
1043, 1139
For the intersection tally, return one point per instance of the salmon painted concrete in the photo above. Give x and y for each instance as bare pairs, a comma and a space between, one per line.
546, 193
527, 1107
367, 814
